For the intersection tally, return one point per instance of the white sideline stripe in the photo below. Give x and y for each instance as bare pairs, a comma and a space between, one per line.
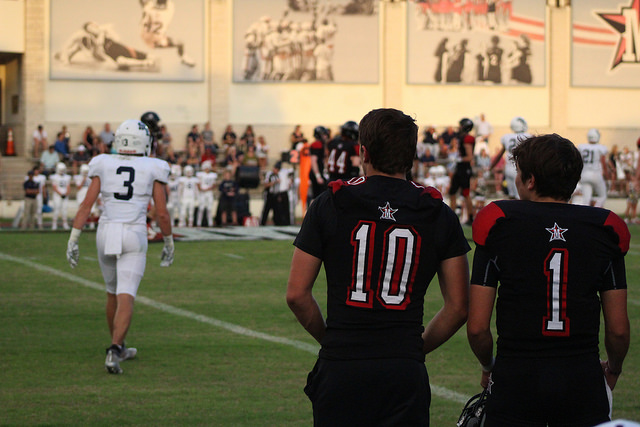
234, 256
310, 348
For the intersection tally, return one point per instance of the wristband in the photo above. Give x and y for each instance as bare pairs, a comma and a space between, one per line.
489, 367
75, 233
168, 240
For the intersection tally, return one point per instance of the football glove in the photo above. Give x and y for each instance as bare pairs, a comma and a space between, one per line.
166, 259
73, 252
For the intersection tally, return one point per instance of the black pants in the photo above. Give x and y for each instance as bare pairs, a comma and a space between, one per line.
279, 204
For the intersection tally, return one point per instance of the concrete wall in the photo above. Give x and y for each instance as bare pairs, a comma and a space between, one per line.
274, 109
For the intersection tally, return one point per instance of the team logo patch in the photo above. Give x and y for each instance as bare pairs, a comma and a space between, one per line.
387, 212
557, 232
626, 24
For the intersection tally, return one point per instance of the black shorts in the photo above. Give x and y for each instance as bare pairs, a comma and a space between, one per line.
568, 391
461, 179
379, 392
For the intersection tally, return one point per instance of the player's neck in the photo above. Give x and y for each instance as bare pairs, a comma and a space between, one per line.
370, 171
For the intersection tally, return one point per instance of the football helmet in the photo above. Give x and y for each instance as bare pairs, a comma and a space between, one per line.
350, 130
188, 170
84, 169
132, 138
176, 170
151, 119
61, 168
206, 165
466, 125
473, 414
319, 132
519, 125
593, 136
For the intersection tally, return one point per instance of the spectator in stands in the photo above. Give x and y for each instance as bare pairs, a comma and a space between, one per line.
231, 159
228, 193
88, 139
446, 137
49, 159
250, 158
31, 191
248, 138
107, 137
66, 136
193, 137
61, 148
229, 137
296, 137
164, 143
207, 135
262, 151
80, 157
208, 154
40, 143
484, 129
193, 156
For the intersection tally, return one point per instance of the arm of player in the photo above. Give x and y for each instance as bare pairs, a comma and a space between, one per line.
164, 222
497, 158
481, 300
616, 332
453, 276
84, 210
304, 270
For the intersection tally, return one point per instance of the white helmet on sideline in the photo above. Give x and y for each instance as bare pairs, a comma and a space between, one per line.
176, 170
519, 125
133, 138
84, 169
188, 170
593, 136
61, 168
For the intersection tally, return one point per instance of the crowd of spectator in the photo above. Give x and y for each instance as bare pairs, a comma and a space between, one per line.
438, 154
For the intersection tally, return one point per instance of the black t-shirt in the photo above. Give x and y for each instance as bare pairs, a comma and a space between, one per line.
317, 149
339, 162
552, 260
381, 241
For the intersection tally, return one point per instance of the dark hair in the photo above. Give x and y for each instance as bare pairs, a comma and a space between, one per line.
390, 137
554, 162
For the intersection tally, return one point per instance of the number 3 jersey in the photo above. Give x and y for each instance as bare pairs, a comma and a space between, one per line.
126, 185
552, 260
381, 241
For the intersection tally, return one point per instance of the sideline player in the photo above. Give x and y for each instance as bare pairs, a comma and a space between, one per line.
207, 182
343, 161
547, 369
370, 369
594, 157
188, 190
61, 186
156, 17
509, 141
461, 179
126, 181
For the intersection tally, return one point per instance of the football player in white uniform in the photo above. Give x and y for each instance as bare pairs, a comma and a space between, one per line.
188, 196
509, 141
207, 181
42, 184
173, 205
82, 182
594, 159
61, 186
127, 181
156, 17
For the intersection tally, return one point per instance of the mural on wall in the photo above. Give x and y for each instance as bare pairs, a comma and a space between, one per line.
476, 42
317, 41
127, 40
605, 43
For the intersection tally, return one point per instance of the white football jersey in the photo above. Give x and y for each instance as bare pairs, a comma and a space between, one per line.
188, 187
174, 187
509, 142
78, 181
126, 185
61, 182
592, 155
156, 19
207, 180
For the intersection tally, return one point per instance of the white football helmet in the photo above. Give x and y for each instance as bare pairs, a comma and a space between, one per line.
207, 165
84, 169
176, 170
133, 138
593, 136
188, 170
519, 125
61, 168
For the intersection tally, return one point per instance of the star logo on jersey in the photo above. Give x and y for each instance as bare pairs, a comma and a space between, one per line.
625, 24
387, 212
557, 232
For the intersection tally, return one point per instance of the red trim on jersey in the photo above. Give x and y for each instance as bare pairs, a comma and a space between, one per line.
317, 144
339, 183
484, 221
620, 229
433, 192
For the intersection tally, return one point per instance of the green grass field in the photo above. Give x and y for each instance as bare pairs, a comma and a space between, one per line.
216, 342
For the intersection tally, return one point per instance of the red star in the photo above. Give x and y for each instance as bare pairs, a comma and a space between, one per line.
619, 23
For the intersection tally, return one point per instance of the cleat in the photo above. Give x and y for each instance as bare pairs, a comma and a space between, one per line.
128, 353
112, 362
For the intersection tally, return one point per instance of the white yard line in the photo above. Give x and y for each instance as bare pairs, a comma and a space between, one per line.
310, 348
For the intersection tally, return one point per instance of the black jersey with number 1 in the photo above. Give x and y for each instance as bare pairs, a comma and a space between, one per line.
552, 260
381, 241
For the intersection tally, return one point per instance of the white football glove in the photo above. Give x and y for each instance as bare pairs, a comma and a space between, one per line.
167, 252
73, 252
